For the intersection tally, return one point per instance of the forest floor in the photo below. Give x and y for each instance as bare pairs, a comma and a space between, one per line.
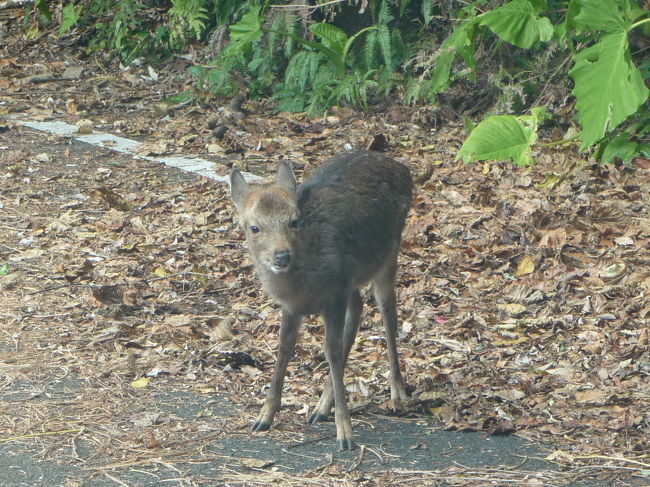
136, 343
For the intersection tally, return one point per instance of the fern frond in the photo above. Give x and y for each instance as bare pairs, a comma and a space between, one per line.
369, 49
302, 70
292, 28
427, 12
188, 19
383, 39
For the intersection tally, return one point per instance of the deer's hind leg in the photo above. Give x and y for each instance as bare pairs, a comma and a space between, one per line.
352, 318
383, 286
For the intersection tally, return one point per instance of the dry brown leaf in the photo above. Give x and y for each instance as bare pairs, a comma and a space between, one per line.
526, 266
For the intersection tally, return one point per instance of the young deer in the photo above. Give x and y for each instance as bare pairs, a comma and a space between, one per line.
314, 247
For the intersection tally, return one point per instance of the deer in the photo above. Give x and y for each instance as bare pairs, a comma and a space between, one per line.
314, 247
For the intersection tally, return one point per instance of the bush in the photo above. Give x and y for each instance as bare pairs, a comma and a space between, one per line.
335, 54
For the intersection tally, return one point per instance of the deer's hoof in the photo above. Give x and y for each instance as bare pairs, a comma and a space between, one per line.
261, 426
317, 418
346, 444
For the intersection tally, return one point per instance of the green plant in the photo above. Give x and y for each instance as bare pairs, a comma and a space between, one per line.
608, 86
69, 17
321, 74
188, 18
238, 55
131, 28
120, 27
504, 137
332, 68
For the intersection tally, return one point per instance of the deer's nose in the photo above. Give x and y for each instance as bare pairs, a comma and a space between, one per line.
281, 258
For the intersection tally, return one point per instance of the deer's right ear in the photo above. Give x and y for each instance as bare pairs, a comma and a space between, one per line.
285, 177
238, 188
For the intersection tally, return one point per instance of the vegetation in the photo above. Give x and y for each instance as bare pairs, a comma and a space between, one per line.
359, 52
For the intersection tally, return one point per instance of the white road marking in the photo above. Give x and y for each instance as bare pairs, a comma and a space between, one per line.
194, 165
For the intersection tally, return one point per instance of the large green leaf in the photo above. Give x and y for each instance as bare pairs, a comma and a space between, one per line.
246, 31
330, 35
517, 23
600, 15
441, 77
461, 41
608, 86
503, 137
69, 17
622, 148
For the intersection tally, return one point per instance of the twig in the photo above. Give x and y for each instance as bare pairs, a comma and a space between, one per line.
311, 440
604, 457
607, 467
116, 480
557, 70
176, 274
44, 433
359, 459
59, 286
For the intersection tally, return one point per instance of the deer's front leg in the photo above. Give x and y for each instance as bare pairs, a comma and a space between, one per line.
335, 353
288, 334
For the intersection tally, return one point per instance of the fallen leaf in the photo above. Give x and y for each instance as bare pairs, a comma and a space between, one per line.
510, 394
140, 383
526, 266
512, 309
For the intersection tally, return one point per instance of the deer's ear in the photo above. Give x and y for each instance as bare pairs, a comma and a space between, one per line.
238, 188
285, 177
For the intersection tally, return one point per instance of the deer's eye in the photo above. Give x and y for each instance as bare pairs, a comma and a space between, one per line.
255, 229
295, 223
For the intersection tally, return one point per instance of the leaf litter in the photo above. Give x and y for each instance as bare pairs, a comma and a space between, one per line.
523, 305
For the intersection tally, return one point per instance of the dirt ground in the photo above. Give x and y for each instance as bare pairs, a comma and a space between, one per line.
135, 339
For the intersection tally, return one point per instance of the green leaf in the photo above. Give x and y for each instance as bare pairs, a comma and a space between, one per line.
503, 137
43, 8
569, 21
600, 15
70, 16
441, 77
331, 36
427, 12
550, 181
517, 23
608, 86
403, 5
461, 41
4, 269
181, 97
622, 148
349, 42
246, 31
383, 36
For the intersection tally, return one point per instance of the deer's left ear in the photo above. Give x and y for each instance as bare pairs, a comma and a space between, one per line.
285, 177
238, 188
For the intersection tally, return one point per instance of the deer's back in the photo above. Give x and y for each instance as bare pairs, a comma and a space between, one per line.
352, 210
